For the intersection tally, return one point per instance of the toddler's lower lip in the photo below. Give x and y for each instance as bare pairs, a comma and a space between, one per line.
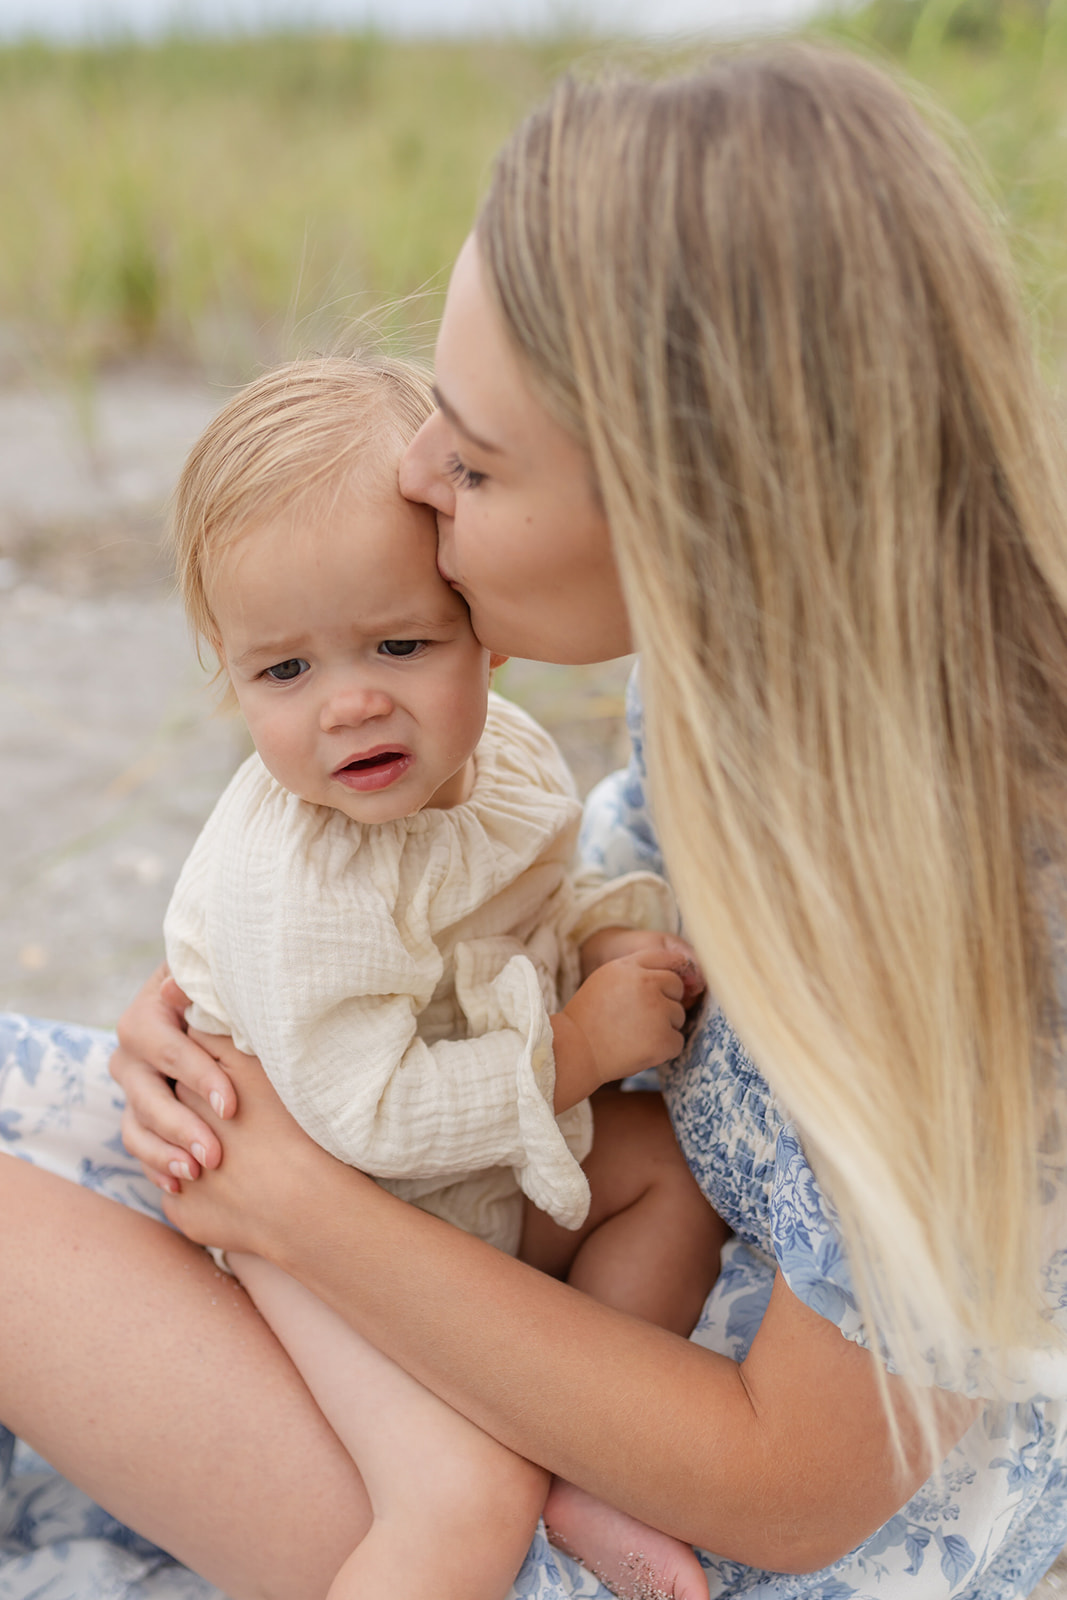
377, 773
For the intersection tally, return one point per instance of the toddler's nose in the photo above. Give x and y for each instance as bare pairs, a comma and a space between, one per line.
350, 705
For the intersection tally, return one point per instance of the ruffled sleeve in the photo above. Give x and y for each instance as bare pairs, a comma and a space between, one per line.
284, 937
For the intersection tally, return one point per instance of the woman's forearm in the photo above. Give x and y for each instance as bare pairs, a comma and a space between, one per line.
743, 1461
784, 1462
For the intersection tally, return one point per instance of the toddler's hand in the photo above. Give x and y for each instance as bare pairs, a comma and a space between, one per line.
630, 1013
609, 944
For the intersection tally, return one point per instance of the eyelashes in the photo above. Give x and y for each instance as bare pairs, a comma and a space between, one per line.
463, 477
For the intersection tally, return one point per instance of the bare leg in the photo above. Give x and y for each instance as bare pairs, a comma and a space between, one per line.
454, 1511
651, 1246
146, 1377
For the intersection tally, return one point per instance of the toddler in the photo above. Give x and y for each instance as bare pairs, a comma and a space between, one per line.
383, 909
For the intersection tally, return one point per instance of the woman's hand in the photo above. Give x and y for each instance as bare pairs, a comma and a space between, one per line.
170, 1140
267, 1159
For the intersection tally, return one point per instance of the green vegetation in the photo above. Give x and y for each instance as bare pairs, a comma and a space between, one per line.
999, 67
224, 202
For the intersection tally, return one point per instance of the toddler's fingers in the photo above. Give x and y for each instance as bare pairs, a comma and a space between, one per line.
688, 966
671, 985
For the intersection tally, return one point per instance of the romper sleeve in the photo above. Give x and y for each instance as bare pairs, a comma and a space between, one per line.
271, 943
749, 1159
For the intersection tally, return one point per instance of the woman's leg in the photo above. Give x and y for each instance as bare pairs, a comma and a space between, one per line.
146, 1377
454, 1511
135, 1367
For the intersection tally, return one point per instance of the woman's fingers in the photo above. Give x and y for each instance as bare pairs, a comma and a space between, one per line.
152, 1033
268, 1158
172, 994
170, 1140
228, 1060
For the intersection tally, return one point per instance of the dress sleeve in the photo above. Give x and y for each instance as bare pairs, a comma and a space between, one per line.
811, 1257
617, 835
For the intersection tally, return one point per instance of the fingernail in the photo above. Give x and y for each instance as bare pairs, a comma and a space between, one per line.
218, 1105
180, 1169
200, 1153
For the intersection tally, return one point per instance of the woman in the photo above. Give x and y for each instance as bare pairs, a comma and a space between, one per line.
731, 372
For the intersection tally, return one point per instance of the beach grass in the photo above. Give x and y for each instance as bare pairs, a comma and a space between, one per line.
225, 202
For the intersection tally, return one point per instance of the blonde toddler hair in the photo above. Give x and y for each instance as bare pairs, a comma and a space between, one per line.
299, 430
765, 301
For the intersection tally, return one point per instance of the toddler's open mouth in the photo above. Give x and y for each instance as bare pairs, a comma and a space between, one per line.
375, 770
365, 763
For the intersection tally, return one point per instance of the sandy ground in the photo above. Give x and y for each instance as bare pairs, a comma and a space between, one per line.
112, 753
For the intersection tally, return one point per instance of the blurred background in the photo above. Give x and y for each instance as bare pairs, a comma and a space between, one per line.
188, 195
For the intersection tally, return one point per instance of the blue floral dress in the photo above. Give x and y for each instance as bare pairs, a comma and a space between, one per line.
986, 1528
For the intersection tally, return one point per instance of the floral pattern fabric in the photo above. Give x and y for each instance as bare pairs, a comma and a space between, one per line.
985, 1528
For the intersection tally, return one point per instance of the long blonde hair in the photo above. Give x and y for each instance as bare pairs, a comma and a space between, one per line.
765, 300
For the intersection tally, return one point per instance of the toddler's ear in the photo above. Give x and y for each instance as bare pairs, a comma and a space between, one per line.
496, 661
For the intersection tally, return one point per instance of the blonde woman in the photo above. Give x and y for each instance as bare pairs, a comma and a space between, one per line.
732, 372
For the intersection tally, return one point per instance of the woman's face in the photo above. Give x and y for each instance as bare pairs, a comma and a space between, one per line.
520, 530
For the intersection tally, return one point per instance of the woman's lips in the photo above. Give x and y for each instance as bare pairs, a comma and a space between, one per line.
377, 769
446, 575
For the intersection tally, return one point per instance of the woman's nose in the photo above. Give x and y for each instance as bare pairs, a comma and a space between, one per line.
350, 705
423, 474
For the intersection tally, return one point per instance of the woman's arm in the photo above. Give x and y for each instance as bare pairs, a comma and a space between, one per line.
783, 1462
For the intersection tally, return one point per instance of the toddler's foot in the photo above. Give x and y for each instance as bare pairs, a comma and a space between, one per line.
632, 1560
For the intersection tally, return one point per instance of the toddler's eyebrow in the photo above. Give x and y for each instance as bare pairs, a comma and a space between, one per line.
285, 651
457, 422
398, 627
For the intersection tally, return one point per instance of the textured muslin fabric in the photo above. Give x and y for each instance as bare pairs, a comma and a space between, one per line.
397, 980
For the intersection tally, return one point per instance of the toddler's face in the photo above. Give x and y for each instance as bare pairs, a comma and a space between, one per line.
354, 663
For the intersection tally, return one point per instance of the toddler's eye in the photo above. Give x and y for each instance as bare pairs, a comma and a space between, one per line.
399, 648
286, 671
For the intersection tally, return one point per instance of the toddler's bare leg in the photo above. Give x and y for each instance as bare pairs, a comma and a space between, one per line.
453, 1510
651, 1246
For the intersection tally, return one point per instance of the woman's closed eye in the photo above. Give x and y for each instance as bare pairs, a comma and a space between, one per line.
462, 476
287, 671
